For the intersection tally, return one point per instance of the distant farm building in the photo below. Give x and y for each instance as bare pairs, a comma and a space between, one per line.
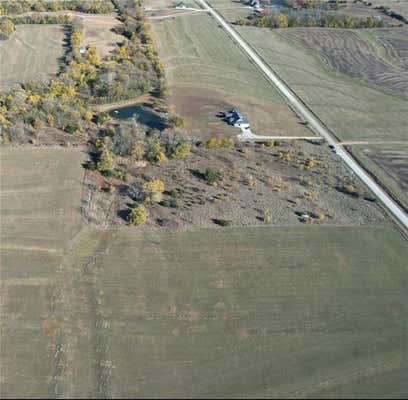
254, 3
82, 49
235, 118
180, 6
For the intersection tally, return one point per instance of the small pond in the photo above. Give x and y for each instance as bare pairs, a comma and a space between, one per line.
143, 115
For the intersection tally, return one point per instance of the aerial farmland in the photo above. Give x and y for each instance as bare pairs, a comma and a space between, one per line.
33, 50
367, 84
199, 203
207, 73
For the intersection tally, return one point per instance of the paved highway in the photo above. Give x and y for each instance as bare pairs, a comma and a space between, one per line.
308, 116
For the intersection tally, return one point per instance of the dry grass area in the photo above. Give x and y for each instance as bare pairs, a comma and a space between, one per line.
231, 10
389, 163
395, 43
348, 52
208, 73
98, 31
161, 4
360, 10
253, 312
40, 200
258, 185
30, 52
234, 312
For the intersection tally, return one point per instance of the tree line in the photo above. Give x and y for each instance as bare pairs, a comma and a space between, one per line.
87, 6
7, 24
309, 18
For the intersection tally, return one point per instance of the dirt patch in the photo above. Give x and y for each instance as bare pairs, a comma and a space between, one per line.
195, 103
201, 109
57, 137
122, 103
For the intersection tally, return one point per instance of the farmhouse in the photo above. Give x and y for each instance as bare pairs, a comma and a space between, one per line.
181, 6
254, 3
235, 118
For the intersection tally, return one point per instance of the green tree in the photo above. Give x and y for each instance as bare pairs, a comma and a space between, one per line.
153, 190
6, 28
105, 162
138, 215
182, 150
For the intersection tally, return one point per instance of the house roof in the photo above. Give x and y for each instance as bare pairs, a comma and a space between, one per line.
235, 113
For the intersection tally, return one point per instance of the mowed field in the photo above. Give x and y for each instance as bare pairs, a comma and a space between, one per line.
351, 53
160, 4
389, 163
255, 312
353, 108
98, 31
32, 50
231, 10
40, 200
249, 312
208, 74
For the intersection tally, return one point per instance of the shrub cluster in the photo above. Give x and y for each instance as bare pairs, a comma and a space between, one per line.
137, 215
218, 142
6, 28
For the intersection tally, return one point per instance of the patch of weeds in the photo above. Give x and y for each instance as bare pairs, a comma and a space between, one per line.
348, 189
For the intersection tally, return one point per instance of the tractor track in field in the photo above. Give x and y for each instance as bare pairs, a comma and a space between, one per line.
81, 321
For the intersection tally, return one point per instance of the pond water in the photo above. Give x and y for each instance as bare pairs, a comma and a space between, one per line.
143, 115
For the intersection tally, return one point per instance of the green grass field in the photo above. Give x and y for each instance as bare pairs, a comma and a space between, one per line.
208, 73
32, 50
233, 312
231, 10
351, 108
